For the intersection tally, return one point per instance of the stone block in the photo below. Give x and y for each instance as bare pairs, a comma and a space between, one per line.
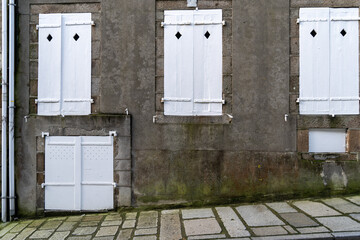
146, 231
342, 205
201, 226
95, 68
91, 218
123, 148
298, 220
107, 231
33, 88
66, 226
337, 224
40, 144
40, 178
213, 236
197, 213
258, 215
51, 225
128, 224
25, 234
131, 215
281, 207
41, 234
147, 220
122, 165
124, 234
303, 140
84, 231
95, 86
294, 45
124, 198
40, 162
33, 69
353, 140
123, 178
59, 235
111, 223
231, 222
95, 50
34, 51
315, 209
170, 227
269, 231
294, 66
313, 229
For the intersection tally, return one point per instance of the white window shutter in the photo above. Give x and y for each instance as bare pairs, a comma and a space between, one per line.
314, 61
76, 64
60, 154
49, 71
208, 62
178, 63
344, 75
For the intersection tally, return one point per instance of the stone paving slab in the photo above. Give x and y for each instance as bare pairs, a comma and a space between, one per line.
298, 220
197, 213
232, 223
60, 235
268, 231
278, 221
281, 207
170, 226
316, 209
204, 226
258, 215
354, 199
338, 224
313, 229
342, 205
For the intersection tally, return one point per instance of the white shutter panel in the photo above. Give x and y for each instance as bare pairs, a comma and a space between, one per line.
178, 63
314, 60
344, 75
49, 82
208, 62
76, 54
60, 164
97, 173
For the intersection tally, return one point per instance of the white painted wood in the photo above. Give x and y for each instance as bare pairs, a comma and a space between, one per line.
97, 168
208, 62
329, 62
49, 82
59, 169
344, 77
193, 63
178, 63
76, 65
327, 140
314, 61
64, 64
78, 170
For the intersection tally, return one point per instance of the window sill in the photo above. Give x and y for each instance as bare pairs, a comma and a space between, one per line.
223, 119
330, 156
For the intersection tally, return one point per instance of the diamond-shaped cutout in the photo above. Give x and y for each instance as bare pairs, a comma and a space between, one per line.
178, 35
313, 33
76, 37
207, 35
49, 37
343, 32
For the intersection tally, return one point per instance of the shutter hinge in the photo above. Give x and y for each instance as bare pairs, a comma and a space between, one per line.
112, 133
45, 134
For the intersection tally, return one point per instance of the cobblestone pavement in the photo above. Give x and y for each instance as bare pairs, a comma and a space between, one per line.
335, 218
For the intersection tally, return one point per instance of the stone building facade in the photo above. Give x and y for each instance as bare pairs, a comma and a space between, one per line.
258, 148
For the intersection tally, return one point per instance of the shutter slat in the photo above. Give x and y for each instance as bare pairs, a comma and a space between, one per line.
49, 85
344, 76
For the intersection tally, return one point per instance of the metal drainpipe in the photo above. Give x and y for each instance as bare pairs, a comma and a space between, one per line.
11, 105
4, 115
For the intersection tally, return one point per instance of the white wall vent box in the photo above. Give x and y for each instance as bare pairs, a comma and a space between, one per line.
327, 140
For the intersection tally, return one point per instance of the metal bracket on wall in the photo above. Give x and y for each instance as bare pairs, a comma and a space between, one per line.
112, 133
45, 134
191, 3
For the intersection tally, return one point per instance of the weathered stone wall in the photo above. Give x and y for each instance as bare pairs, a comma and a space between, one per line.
252, 156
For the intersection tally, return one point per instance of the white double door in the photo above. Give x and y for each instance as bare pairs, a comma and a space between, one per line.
79, 173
